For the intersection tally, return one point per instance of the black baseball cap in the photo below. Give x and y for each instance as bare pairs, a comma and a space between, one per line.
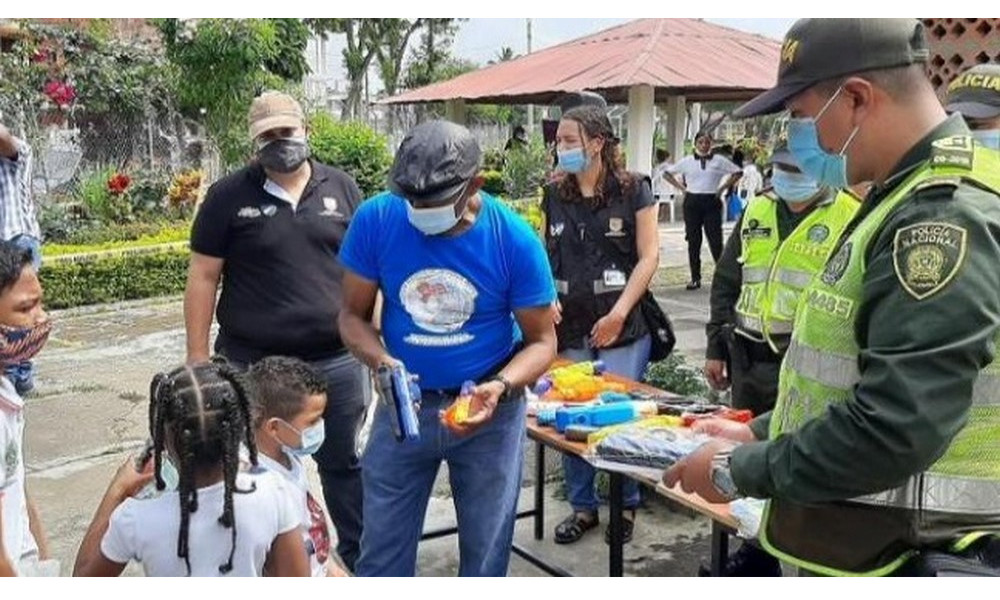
816, 50
975, 94
783, 156
434, 162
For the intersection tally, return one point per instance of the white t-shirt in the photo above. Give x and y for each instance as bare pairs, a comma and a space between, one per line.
750, 184
703, 177
315, 532
146, 530
17, 538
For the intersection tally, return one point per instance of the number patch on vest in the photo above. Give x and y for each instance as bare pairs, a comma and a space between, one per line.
833, 304
927, 256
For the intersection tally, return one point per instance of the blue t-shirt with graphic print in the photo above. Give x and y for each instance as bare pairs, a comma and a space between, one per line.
449, 301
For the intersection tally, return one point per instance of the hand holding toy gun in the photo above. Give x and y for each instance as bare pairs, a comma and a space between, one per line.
400, 394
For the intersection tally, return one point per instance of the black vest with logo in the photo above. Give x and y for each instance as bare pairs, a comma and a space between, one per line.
583, 244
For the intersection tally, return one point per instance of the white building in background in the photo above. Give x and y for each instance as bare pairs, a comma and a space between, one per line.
326, 84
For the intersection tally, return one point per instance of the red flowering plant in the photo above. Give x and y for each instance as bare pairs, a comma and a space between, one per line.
119, 183
61, 93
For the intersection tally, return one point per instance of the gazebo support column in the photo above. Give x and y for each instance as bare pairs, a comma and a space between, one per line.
455, 111
676, 112
641, 123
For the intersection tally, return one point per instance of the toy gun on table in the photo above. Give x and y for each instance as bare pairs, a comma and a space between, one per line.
602, 415
568, 373
726, 413
400, 394
579, 382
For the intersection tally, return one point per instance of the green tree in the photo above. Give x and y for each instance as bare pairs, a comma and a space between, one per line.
222, 64
432, 54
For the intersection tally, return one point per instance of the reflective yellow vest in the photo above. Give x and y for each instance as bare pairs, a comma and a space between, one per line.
960, 493
776, 271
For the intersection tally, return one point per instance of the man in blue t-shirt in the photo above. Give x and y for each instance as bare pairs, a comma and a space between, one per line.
467, 295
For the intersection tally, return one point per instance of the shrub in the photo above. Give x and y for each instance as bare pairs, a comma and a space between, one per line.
530, 210
525, 169
673, 374
113, 278
353, 147
493, 183
493, 159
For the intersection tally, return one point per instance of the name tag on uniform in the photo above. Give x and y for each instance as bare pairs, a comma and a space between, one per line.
614, 278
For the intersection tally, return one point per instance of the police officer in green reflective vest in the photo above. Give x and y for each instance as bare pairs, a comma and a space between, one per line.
880, 455
975, 94
783, 239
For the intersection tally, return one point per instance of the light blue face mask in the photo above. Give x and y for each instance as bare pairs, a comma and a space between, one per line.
438, 219
310, 439
171, 479
988, 138
793, 188
573, 160
803, 142
169, 474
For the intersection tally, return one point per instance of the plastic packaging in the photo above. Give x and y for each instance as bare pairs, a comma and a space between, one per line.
643, 450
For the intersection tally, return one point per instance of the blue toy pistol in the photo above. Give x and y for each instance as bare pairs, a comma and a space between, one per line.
401, 395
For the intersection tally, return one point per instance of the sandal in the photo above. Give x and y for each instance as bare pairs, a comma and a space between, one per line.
628, 528
572, 528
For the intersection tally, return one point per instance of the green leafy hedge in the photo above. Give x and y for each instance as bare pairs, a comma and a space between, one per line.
114, 277
353, 147
171, 234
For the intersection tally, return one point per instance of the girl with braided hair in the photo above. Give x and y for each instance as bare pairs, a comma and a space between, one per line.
228, 522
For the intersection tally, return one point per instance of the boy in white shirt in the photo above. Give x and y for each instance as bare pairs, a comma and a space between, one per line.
24, 329
290, 398
218, 520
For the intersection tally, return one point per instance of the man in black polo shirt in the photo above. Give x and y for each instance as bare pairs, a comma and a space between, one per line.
273, 229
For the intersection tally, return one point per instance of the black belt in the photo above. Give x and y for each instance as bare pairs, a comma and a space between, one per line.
758, 351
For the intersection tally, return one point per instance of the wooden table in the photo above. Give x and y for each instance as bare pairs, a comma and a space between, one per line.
723, 523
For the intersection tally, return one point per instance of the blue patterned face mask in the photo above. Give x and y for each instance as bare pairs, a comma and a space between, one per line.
18, 344
803, 142
988, 138
573, 160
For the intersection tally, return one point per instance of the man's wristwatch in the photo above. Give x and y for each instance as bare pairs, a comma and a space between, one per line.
506, 386
722, 477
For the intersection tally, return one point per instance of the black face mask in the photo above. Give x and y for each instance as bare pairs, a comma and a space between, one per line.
285, 155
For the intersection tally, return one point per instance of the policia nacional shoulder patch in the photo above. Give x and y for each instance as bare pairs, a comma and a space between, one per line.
927, 256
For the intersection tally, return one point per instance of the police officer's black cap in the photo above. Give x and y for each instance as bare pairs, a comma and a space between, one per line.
975, 94
434, 162
578, 99
816, 50
783, 156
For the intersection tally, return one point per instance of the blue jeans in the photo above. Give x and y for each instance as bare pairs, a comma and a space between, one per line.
484, 471
628, 361
22, 374
348, 394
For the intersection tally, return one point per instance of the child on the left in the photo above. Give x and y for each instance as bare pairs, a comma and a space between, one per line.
24, 329
199, 416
